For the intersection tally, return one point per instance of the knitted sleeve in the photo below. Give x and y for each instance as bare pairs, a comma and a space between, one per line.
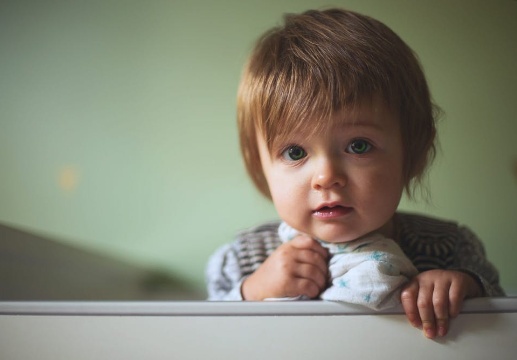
223, 275
471, 257
232, 263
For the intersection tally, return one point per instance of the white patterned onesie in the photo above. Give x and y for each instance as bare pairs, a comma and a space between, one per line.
369, 271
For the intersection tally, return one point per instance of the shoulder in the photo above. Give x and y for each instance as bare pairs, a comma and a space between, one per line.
422, 225
265, 230
258, 242
429, 242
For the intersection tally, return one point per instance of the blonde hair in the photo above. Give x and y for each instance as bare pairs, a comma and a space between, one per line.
320, 62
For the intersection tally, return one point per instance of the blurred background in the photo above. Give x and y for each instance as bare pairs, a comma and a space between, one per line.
120, 171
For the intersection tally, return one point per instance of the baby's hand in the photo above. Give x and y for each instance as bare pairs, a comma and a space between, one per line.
435, 296
297, 267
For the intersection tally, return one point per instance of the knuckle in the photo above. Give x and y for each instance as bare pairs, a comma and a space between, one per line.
312, 257
282, 252
428, 324
405, 294
439, 302
302, 241
442, 321
424, 303
284, 267
408, 294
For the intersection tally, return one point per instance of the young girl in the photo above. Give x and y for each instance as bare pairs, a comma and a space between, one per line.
335, 122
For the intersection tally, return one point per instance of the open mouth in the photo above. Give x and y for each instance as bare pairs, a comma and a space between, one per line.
327, 212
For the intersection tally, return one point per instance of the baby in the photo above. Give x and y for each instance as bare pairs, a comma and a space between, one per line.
335, 122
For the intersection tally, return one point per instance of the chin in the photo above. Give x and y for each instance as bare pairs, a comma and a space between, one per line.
338, 238
340, 233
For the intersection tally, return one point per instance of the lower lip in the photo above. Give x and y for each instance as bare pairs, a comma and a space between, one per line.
332, 213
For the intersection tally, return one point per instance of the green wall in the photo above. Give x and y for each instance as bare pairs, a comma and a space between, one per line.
117, 121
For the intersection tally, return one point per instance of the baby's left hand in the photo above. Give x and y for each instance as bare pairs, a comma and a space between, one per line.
433, 297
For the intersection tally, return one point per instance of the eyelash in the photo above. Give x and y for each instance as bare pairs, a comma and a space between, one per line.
286, 152
355, 141
286, 155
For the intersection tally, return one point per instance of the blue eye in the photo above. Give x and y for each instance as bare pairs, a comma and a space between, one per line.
294, 153
359, 147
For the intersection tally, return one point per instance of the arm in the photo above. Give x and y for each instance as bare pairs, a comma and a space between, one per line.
471, 258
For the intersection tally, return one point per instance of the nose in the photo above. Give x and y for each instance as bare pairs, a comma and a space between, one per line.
329, 173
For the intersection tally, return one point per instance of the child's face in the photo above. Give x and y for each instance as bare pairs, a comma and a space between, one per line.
342, 184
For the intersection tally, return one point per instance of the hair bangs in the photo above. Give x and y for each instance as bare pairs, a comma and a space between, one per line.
303, 97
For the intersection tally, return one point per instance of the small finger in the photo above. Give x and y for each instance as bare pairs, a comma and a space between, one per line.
408, 298
456, 296
312, 273
313, 258
303, 286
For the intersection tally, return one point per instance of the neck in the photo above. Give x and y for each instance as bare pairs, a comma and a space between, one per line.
388, 230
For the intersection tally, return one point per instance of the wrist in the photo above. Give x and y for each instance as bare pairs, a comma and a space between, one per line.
247, 290
474, 285
476, 289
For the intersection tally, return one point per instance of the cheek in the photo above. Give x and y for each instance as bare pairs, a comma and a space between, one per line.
382, 187
286, 193
280, 189
390, 189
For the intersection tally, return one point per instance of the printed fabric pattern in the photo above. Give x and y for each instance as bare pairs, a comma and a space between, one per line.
369, 271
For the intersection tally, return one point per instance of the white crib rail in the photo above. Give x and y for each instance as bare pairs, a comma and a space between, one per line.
486, 329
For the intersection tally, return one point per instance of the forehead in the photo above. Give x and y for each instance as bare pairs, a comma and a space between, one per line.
372, 114
375, 112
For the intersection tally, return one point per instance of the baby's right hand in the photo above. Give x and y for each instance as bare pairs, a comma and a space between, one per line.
297, 267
